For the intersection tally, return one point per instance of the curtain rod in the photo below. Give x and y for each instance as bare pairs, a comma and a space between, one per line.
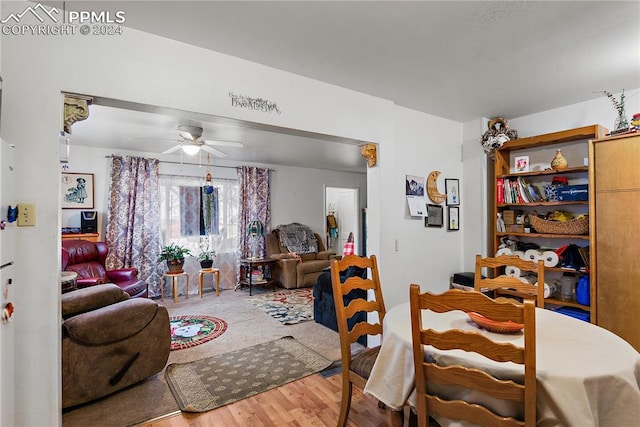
193, 164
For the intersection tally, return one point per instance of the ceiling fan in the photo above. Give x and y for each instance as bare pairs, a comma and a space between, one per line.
192, 142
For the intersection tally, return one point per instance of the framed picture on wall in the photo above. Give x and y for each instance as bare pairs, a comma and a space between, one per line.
452, 187
76, 191
454, 218
434, 216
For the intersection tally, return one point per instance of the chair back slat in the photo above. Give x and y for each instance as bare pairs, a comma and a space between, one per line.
473, 341
479, 414
506, 285
427, 372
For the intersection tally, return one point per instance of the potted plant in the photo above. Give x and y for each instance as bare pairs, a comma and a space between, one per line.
206, 258
174, 255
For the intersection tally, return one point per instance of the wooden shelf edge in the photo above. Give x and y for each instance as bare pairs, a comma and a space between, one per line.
563, 203
573, 304
577, 134
547, 236
577, 169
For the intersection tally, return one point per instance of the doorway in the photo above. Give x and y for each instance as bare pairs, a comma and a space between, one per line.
343, 204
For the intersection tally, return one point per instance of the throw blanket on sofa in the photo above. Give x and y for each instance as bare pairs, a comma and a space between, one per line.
297, 238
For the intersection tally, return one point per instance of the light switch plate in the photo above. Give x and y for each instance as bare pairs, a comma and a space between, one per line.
26, 215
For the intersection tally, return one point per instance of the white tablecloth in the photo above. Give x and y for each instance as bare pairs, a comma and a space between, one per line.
587, 376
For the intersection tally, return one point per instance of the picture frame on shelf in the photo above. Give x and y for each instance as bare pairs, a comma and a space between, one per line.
454, 218
452, 188
77, 190
434, 216
522, 164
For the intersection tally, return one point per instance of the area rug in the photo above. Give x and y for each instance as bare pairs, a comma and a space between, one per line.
190, 331
216, 381
288, 307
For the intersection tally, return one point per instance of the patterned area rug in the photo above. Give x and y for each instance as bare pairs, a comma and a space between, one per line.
189, 331
209, 383
289, 307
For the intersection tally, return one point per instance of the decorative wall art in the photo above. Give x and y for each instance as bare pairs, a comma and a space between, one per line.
432, 188
257, 104
452, 188
76, 191
434, 216
454, 218
414, 191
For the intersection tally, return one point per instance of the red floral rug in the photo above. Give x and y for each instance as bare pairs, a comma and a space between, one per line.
190, 331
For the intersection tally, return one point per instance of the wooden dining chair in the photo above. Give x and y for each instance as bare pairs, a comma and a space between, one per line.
429, 373
507, 285
356, 368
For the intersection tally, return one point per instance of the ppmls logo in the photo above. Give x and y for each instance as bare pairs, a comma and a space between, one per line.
38, 11
81, 21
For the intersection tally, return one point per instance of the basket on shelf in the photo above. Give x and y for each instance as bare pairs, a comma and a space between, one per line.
572, 226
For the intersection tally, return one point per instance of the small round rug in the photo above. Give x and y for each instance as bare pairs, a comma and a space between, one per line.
190, 331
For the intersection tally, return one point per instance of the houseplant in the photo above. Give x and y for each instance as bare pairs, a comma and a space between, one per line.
206, 258
174, 255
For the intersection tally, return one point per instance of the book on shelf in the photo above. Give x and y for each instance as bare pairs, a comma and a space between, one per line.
500, 190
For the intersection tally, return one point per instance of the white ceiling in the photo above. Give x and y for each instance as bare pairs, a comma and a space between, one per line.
454, 59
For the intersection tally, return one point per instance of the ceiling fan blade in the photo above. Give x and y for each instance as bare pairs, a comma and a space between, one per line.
172, 149
235, 144
213, 151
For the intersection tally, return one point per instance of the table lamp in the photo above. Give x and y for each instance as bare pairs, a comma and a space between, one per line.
255, 230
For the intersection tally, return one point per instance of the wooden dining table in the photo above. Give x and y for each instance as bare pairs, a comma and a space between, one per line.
586, 375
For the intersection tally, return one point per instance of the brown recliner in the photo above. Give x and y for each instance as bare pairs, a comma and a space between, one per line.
88, 258
291, 273
109, 342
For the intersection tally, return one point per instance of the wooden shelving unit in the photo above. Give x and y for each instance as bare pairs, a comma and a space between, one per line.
540, 149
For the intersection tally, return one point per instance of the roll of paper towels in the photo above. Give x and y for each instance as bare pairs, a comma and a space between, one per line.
532, 255
512, 271
520, 254
549, 290
504, 251
550, 258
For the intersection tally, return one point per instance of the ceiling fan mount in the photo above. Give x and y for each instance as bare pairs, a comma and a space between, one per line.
190, 132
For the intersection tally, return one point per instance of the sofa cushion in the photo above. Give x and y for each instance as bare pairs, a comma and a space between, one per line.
315, 266
111, 323
88, 299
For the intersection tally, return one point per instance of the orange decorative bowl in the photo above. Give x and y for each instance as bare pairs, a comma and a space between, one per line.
507, 327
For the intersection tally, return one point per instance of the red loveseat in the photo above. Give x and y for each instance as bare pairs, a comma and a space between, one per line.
88, 258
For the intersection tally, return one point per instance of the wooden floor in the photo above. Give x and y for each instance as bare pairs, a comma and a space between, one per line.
311, 401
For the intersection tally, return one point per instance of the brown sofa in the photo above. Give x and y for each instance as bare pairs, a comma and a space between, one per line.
288, 272
109, 341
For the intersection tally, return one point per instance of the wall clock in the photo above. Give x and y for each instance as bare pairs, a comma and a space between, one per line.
432, 188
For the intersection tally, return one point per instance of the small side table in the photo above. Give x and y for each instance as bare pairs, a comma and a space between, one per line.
216, 272
68, 281
246, 268
174, 279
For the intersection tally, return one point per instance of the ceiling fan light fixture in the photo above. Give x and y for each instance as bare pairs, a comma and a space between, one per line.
190, 149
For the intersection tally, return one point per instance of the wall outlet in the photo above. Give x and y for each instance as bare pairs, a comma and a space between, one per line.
26, 215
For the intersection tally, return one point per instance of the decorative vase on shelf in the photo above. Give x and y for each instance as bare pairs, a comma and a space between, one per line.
559, 162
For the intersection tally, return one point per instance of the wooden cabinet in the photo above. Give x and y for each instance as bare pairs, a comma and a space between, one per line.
615, 229
540, 150
92, 237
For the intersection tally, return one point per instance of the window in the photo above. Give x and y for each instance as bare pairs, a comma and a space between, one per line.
173, 217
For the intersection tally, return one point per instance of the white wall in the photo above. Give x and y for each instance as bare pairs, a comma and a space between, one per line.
426, 256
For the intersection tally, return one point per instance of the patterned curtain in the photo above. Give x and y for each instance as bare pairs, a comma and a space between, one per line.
190, 211
133, 218
255, 204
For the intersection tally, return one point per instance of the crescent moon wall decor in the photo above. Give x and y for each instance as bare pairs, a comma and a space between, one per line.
432, 188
